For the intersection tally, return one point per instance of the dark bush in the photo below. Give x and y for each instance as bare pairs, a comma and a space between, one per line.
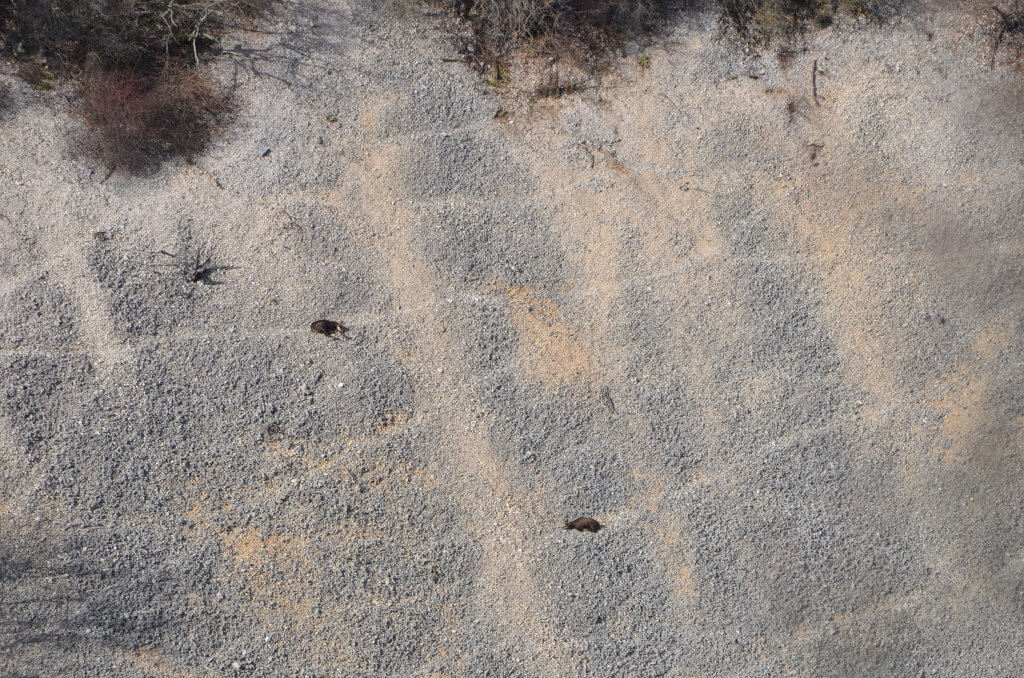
767, 19
143, 95
144, 35
502, 25
5, 99
132, 122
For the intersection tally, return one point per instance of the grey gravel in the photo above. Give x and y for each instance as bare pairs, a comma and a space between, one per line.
644, 304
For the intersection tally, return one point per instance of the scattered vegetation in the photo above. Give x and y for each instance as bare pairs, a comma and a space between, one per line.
583, 33
502, 25
143, 96
498, 73
549, 48
146, 36
765, 20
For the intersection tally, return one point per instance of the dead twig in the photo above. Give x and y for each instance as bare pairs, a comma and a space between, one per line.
214, 181
586, 149
814, 82
674, 104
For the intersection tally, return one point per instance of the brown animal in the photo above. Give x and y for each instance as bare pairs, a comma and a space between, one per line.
328, 328
583, 525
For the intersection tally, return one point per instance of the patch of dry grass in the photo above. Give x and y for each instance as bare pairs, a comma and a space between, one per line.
136, 62
144, 35
132, 122
764, 20
502, 25
580, 34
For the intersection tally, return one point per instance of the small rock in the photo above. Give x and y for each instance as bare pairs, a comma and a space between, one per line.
328, 328
583, 524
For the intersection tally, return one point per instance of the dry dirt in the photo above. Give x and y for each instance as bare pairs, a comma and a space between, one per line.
774, 344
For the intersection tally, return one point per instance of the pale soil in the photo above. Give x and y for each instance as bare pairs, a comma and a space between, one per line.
778, 351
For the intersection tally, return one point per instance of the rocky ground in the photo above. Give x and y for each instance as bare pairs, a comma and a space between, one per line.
773, 342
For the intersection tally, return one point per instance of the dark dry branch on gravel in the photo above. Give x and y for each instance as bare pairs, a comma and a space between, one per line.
197, 268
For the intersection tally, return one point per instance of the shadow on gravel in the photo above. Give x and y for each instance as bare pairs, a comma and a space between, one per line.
6, 101
55, 597
292, 53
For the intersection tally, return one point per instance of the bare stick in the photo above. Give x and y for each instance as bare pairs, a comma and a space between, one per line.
674, 104
814, 82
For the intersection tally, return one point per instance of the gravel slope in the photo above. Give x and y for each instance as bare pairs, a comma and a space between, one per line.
774, 345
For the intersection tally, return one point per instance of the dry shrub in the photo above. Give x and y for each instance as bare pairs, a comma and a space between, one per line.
145, 35
143, 96
546, 49
133, 121
555, 84
763, 20
586, 32
500, 26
